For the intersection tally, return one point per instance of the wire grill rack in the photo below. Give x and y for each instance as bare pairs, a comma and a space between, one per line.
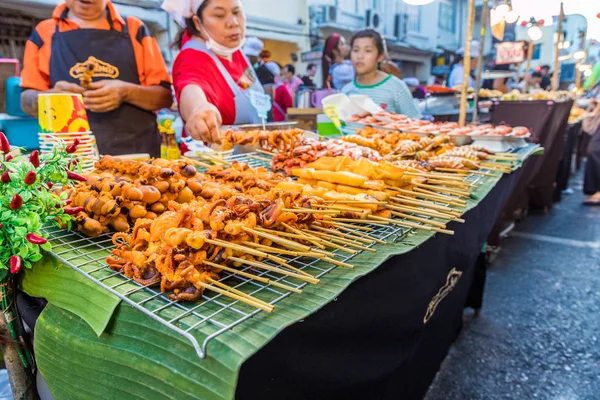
214, 314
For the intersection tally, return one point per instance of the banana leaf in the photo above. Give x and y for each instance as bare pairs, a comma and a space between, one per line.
60, 285
137, 357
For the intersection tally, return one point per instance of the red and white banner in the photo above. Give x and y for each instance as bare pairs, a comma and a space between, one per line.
510, 53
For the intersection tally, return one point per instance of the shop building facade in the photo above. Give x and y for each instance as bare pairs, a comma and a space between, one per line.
415, 35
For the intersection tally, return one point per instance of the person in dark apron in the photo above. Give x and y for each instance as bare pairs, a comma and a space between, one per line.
120, 109
213, 79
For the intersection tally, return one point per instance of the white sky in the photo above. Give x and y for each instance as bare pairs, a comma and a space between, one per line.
546, 8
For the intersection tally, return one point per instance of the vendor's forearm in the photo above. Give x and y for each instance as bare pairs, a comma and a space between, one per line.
29, 102
191, 101
151, 98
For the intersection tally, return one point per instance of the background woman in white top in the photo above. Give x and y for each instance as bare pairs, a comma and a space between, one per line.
457, 71
387, 91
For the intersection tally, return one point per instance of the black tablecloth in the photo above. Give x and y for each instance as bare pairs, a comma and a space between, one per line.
547, 121
372, 342
566, 163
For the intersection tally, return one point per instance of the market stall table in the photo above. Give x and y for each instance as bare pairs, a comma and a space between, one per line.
566, 164
396, 314
547, 121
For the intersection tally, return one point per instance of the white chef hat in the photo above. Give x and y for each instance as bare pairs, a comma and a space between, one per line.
273, 68
182, 9
475, 47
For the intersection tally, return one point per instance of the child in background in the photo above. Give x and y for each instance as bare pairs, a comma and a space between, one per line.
367, 51
281, 97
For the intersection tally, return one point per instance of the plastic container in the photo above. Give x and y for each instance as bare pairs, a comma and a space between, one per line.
21, 131
13, 97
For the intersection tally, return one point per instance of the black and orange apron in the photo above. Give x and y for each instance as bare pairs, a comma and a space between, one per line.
127, 129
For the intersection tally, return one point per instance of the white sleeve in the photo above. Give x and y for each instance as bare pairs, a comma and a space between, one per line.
405, 104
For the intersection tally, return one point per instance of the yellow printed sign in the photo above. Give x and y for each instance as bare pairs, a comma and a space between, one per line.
451, 281
62, 113
332, 112
102, 69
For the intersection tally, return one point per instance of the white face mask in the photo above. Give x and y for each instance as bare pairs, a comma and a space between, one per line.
218, 48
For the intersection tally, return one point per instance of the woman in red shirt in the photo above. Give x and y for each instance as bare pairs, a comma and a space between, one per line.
211, 76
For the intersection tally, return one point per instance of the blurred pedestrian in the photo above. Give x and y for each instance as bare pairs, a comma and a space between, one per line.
532, 81
546, 81
336, 69
281, 98
417, 91
289, 79
253, 49
457, 70
309, 77
591, 184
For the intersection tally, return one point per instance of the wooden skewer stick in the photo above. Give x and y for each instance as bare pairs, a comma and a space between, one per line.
435, 175
217, 158
342, 241
277, 239
460, 171
265, 152
198, 163
261, 265
435, 197
255, 253
259, 158
361, 221
496, 164
310, 211
430, 213
360, 228
425, 204
212, 160
354, 202
338, 263
238, 292
401, 223
308, 238
278, 250
443, 198
299, 232
233, 296
500, 158
444, 190
340, 208
450, 183
341, 228
510, 155
365, 239
254, 277
419, 219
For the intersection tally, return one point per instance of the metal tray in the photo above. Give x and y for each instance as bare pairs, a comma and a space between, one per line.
215, 314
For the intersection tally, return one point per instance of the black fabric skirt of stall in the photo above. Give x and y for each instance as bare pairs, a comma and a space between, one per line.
386, 335
591, 182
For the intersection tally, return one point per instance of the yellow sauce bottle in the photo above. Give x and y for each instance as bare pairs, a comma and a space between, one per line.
169, 150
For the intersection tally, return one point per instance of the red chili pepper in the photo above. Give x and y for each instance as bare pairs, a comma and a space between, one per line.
30, 178
5, 177
76, 141
15, 264
16, 202
34, 158
75, 177
73, 210
68, 201
4, 145
35, 239
49, 184
1, 225
72, 148
8, 157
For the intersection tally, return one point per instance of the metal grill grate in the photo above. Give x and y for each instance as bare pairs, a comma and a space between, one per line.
216, 313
